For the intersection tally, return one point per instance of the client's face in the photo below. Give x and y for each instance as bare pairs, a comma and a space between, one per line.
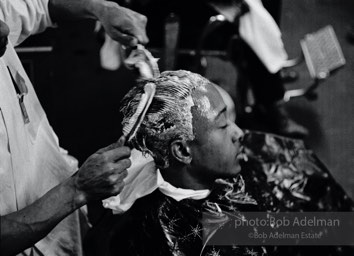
216, 148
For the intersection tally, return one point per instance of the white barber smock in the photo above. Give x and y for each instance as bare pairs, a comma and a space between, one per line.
31, 162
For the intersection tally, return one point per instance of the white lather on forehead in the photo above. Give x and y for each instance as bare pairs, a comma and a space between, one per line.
204, 107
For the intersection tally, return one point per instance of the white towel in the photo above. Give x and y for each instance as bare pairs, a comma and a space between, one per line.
144, 178
110, 56
262, 34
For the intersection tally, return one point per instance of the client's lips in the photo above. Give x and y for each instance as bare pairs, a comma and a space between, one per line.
241, 155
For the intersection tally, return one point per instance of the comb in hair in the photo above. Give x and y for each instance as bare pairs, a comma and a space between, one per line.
135, 121
141, 59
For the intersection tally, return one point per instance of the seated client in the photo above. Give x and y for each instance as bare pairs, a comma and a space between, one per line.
205, 163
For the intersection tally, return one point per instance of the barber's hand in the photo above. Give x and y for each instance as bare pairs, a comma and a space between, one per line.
102, 174
122, 24
4, 33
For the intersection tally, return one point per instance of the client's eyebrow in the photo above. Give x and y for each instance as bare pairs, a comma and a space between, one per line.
222, 111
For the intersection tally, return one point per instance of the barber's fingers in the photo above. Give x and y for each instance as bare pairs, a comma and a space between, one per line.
117, 188
125, 39
118, 176
124, 25
132, 30
119, 166
116, 154
107, 191
121, 141
114, 183
140, 31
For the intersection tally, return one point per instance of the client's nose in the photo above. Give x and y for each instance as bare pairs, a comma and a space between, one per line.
237, 133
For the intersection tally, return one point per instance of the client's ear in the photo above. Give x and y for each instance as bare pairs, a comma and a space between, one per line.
181, 151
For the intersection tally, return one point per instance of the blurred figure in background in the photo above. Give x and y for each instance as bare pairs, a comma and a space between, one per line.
258, 52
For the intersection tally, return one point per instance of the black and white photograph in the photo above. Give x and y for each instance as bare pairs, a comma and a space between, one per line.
176, 127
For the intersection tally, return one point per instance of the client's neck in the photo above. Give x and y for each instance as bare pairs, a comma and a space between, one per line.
182, 178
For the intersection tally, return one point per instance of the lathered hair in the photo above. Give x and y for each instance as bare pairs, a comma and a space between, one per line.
169, 116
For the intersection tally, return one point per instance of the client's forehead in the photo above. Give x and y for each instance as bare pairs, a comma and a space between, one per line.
208, 101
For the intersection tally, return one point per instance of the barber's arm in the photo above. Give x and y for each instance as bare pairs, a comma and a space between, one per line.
122, 24
99, 177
